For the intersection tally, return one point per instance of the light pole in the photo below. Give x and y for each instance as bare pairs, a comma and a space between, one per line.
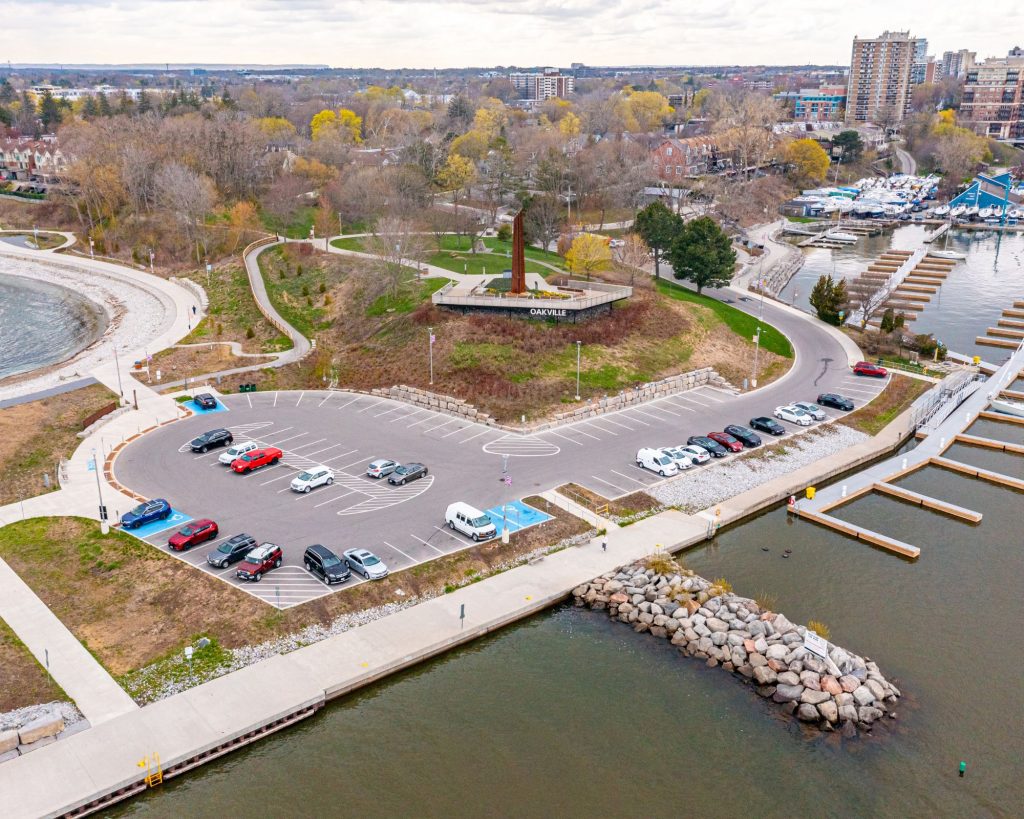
578, 370
430, 350
99, 491
92, 248
117, 366
151, 255
757, 347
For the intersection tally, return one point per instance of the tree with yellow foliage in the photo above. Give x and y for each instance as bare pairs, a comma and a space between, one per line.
315, 171
490, 120
809, 160
569, 125
276, 129
241, 218
472, 145
345, 123
457, 174
588, 254
649, 109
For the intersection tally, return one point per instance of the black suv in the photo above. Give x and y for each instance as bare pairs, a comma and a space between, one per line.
712, 446
830, 399
212, 438
205, 401
231, 551
766, 424
325, 564
745, 436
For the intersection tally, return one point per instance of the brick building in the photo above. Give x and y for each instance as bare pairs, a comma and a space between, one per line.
881, 70
993, 101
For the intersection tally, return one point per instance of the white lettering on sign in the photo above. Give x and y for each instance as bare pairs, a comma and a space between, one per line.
547, 311
815, 644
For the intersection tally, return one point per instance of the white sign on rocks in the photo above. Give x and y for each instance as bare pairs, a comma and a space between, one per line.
815, 644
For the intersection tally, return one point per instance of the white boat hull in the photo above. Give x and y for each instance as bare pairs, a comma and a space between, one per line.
947, 254
1015, 408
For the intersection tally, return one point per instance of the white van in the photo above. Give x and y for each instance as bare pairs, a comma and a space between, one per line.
237, 451
471, 522
656, 461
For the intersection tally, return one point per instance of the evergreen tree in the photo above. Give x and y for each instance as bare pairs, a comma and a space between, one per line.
702, 254
104, 106
49, 112
461, 110
124, 104
90, 110
145, 103
658, 227
828, 298
7, 92
6, 117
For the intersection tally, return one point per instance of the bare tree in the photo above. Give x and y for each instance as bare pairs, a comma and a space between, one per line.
543, 220
633, 255
396, 245
187, 197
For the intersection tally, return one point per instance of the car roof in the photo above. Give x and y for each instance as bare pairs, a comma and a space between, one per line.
240, 536
321, 550
199, 522
359, 553
382, 461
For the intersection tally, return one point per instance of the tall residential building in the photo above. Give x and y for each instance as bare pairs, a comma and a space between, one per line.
919, 72
954, 63
993, 101
537, 86
880, 78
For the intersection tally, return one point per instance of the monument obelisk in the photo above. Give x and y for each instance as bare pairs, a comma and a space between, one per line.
518, 257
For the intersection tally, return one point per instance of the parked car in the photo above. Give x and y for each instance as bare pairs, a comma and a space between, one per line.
406, 473
766, 424
698, 454
793, 415
656, 461
256, 458
679, 458
147, 512
617, 243
259, 561
726, 440
712, 446
210, 439
381, 468
323, 563
745, 436
231, 551
831, 399
461, 517
192, 534
869, 369
205, 401
235, 452
816, 412
312, 478
366, 563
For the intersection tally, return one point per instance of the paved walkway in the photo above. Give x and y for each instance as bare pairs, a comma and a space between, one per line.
88, 684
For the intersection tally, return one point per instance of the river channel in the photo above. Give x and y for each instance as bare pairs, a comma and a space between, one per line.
970, 300
568, 714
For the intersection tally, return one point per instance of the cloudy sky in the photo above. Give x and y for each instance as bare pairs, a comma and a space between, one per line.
442, 33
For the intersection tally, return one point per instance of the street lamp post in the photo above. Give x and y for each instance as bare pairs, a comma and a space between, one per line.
117, 366
99, 492
578, 344
430, 348
92, 248
151, 255
757, 348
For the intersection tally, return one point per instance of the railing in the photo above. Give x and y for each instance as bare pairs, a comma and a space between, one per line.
608, 293
949, 392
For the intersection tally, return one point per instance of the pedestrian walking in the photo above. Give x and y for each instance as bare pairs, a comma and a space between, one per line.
604, 544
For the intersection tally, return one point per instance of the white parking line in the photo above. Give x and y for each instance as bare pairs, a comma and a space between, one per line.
407, 415
346, 466
703, 394
328, 398
301, 396
403, 554
596, 426
628, 478
609, 483
617, 423
395, 408
248, 398
292, 438
269, 434
350, 401
295, 449
431, 545
660, 408
582, 432
261, 470
317, 452
446, 423
685, 407
692, 400
457, 429
369, 406
278, 478
445, 531
471, 437
654, 417
332, 500
570, 440
275, 398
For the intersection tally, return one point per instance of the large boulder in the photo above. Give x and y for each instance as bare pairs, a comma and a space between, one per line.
829, 710
863, 696
716, 625
831, 684
788, 693
764, 675
807, 713
48, 725
809, 679
814, 697
789, 678
847, 713
618, 599
867, 714
781, 625
875, 688
756, 659
849, 683
8, 741
776, 652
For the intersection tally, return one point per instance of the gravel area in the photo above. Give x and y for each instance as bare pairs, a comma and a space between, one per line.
21, 716
136, 315
702, 487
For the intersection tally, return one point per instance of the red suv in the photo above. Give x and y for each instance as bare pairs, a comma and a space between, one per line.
867, 368
256, 458
726, 440
198, 531
259, 561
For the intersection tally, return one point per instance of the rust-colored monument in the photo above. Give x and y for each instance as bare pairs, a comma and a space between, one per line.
518, 257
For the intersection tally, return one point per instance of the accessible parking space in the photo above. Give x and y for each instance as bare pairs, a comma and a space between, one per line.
177, 518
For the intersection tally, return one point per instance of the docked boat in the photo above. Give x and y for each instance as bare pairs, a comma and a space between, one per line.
941, 210
1008, 407
842, 237
947, 254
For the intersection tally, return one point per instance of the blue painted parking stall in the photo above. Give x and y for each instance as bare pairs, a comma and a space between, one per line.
176, 519
516, 515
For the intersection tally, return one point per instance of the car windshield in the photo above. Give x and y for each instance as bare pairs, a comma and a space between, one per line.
481, 521
227, 548
403, 470
369, 560
140, 509
331, 561
664, 459
797, 411
247, 457
188, 530
305, 476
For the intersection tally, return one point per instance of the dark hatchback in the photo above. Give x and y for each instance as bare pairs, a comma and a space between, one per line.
205, 401
766, 424
712, 446
210, 439
323, 563
406, 473
745, 436
231, 550
839, 402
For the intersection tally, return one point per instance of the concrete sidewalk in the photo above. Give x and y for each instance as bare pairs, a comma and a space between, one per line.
83, 679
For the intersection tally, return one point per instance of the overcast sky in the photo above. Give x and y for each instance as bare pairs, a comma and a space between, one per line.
445, 33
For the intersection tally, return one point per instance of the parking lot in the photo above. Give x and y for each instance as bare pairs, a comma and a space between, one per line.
404, 525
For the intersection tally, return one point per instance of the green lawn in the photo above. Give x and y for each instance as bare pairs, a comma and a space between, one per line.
457, 257
297, 297
741, 323
297, 228
351, 243
411, 294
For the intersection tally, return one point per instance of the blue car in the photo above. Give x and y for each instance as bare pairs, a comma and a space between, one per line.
146, 512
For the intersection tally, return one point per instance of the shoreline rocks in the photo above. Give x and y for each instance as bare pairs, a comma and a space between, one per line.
838, 691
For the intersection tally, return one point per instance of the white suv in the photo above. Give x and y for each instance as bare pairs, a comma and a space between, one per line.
312, 478
656, 461
681, 459
237, 451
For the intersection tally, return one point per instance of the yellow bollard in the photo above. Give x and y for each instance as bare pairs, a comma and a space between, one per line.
810, 492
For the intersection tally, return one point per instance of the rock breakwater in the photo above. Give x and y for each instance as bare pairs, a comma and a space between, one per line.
834, 690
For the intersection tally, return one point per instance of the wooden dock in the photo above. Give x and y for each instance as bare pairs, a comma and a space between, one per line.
938, 234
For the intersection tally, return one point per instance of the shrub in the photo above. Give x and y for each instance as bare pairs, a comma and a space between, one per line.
305, 290
662, 564
724, 585
323, 287
250, 333
820, 629
505, 233
283, 274
298, 270
328, 300
220, 329
766, 601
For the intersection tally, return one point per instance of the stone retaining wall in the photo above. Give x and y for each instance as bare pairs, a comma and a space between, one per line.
623, 400
840, 691
37, 732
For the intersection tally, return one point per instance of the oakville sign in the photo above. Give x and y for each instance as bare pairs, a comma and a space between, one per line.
553, 312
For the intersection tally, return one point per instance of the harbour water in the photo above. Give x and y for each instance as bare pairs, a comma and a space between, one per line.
43, 323
569, 714
970, 300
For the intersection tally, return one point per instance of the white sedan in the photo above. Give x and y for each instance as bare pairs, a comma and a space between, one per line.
697, 453
816, 412
312, 478
793, 415
679, 458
